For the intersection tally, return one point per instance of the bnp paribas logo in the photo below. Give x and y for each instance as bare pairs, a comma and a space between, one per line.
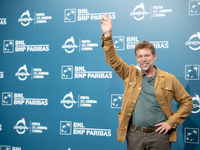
194, 7
191, 72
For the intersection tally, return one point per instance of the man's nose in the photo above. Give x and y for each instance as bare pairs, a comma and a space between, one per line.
143, 58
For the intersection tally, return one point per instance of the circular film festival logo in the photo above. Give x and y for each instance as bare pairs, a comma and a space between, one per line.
69, 45
139, 12
68, 101
194, 42
21, 127
196, 104
25, 18
22, 73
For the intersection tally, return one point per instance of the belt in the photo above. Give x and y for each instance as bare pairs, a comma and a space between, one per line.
145, 129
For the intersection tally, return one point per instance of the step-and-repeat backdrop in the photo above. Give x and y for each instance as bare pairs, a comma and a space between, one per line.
57, 92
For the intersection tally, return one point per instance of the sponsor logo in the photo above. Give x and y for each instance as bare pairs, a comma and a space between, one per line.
22, 73
192, 135
119, 42
36, 73
67, 72
69, 45
39, 18
7, 147
1, 75
132, 41
84, 45
194, 42
80, 129
70, 15
7, 98
83, 101
84, 15
25, 18
116, 100
139, 12
8, 46
20, 46
20, 100
194, 7
196, 104
81, 73
191, 72
21, 127
65, 127
3, 21
16, 148
35, 127
87, 45
68, 100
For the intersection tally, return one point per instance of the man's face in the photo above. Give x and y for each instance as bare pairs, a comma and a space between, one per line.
145, 59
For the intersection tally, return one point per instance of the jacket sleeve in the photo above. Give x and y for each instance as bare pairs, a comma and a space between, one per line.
112, 59
184, 100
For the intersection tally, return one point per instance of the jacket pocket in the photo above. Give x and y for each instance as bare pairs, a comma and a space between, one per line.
129, 87
168, 92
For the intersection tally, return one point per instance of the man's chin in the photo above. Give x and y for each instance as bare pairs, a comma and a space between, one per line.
145, 69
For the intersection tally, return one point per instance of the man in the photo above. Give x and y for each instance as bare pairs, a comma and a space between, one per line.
146, 117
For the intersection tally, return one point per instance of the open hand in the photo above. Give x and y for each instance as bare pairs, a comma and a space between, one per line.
106, 24
164, 127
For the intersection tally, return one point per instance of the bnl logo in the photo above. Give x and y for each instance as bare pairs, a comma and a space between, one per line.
8, 46
192, 135
191, 72
5, 147
194, 7
65, 127
116, 100
70, 15
118, 42
67, 72
7, 98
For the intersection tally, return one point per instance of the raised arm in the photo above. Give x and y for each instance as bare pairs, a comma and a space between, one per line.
112, 59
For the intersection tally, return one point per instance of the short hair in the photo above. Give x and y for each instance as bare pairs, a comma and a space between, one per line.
145, 44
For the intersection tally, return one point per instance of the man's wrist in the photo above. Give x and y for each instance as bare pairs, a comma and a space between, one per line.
107, 34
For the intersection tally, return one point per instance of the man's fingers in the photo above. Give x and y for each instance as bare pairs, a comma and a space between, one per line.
165, 131
157, 130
